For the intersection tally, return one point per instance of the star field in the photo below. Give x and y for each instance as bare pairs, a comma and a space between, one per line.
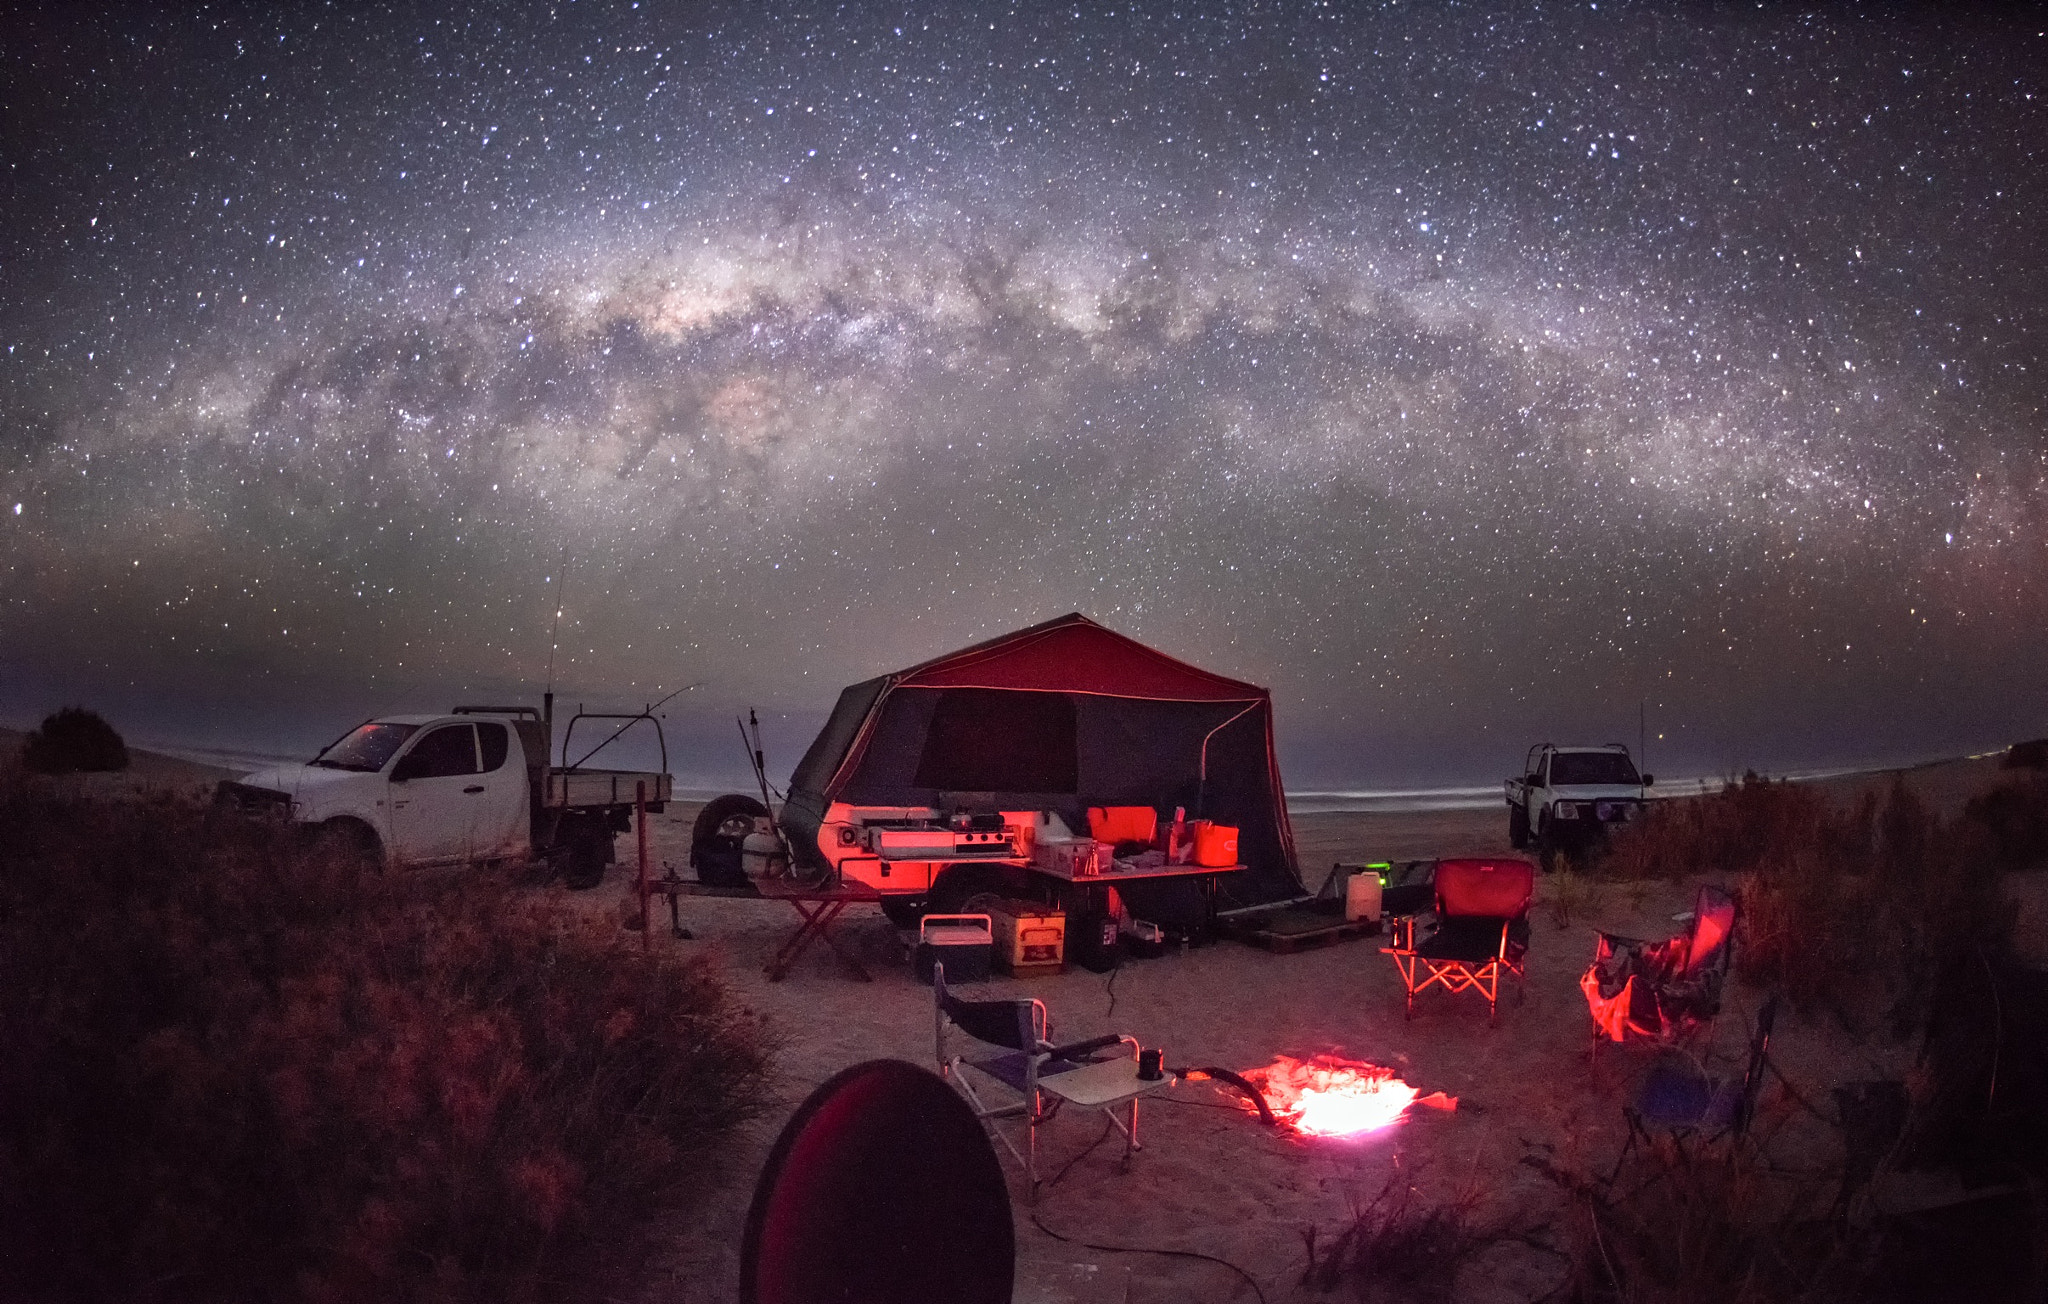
1469, 375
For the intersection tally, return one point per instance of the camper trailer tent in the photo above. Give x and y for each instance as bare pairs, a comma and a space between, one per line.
1060, 716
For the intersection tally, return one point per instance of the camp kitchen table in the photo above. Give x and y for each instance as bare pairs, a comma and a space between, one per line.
819, 904
1084, 884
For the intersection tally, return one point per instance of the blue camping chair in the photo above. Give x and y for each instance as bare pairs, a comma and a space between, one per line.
1681, 1099
1033, 1069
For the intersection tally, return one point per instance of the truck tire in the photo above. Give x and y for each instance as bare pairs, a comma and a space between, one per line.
583, 864
347, 841
718, 836
1518, 827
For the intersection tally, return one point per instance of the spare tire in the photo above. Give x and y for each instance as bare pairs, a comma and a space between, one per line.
716, 838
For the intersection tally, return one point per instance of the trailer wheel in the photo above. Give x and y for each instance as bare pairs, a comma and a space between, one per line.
1518, 827
903, 911
958, 883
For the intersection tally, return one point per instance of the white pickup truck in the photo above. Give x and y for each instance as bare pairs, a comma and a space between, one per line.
475, 784
1567, 797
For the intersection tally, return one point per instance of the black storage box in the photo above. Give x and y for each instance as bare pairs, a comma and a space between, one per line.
965, 944
1093, 941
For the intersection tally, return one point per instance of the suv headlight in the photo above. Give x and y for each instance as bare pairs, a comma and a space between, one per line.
1566, 810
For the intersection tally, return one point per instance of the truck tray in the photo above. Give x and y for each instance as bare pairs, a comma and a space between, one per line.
606, 787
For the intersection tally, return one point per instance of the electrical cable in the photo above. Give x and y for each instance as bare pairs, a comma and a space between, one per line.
1068, 1166
1249, 1280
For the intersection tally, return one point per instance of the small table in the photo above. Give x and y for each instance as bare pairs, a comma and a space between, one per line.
1084, 886
819, 904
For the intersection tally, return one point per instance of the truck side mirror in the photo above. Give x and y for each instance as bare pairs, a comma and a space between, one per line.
1649, 780
408, 767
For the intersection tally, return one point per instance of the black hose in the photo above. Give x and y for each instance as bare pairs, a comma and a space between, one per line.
1251, 1092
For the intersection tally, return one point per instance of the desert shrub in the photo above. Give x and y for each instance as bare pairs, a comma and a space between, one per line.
1723, 1224
2014, 818
1398, 1245
2029, 755
237, 1069
1687, 1225
1858, 908
74, 740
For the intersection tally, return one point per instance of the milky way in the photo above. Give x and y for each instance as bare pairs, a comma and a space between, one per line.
1468, 377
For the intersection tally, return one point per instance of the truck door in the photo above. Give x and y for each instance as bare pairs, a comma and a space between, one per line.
434, 787
498, 818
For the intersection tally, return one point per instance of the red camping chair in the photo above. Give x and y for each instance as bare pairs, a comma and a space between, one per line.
1481, 931
1662, 989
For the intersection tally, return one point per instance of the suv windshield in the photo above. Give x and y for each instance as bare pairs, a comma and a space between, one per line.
1592, 767
366, 748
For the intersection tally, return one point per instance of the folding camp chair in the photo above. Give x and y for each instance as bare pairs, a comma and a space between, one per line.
1481, 931
1034, 1069
1662, 989
1683, 1100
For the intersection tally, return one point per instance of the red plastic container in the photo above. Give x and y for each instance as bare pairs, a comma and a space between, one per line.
1215, 844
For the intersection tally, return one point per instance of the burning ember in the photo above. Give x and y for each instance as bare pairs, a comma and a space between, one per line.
1332, 1096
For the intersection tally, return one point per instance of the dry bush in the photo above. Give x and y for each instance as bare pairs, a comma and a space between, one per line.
1693, 1226
1855, 908
2014, 820
1399, 1247
72, 741
238, 1069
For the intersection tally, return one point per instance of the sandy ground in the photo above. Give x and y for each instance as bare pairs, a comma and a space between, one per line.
1210, 1177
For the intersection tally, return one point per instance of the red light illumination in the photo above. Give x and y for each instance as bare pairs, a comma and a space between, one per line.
1328, 1095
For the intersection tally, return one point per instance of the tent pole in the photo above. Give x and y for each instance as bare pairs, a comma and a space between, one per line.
1202, 773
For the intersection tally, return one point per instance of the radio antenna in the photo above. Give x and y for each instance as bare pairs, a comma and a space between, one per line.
555, 630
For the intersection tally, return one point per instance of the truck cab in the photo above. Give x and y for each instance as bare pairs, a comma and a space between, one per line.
416, 789
472, 785
1567, 798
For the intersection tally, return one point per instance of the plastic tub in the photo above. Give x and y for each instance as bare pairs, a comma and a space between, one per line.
1215, 844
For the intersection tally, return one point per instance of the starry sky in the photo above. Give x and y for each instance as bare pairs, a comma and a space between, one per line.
1471, 375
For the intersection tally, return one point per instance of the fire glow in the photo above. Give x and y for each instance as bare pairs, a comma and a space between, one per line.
1328, 1095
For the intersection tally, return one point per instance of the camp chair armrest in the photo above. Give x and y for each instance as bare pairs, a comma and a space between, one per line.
1073, 1048
1619, 939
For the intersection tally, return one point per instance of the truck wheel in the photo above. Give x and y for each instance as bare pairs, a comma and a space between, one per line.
583, 866
349, 842
1518, 827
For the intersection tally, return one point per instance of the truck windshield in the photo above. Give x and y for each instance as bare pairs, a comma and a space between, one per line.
1592, 767
366, 748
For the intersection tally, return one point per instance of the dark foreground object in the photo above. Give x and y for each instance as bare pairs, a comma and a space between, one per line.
882, 1189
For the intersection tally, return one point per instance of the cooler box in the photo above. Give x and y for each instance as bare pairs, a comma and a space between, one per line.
963, 943
1030, 939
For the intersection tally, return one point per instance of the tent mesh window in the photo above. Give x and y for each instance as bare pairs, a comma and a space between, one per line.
1036, 751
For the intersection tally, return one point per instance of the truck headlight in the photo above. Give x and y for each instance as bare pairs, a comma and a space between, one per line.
1566, 810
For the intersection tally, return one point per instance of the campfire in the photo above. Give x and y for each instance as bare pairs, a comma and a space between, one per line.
1328, 1095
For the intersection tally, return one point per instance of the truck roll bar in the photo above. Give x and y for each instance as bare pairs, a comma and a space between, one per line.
629, 717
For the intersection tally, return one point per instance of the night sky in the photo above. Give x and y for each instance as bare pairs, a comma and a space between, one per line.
1470, 377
